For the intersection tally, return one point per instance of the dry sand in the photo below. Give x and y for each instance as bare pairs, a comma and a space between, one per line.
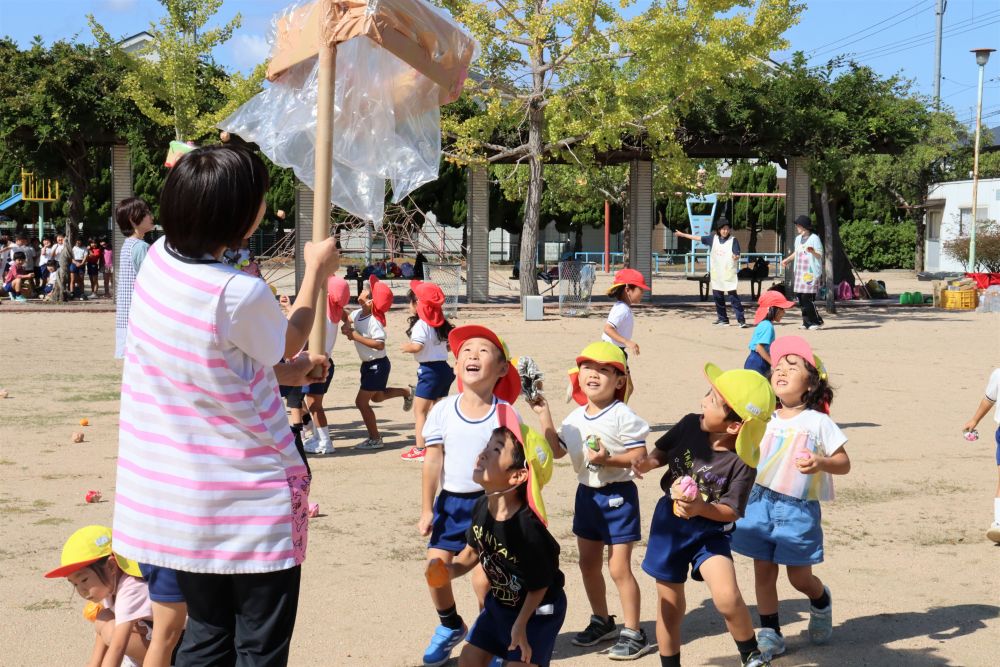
914, 581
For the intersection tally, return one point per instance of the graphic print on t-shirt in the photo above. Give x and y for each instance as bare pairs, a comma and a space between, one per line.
504, 584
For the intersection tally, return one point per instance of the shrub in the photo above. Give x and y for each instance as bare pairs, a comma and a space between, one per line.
987, 247
874, 246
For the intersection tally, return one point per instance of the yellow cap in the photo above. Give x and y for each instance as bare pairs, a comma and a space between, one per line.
603, 353
89, 545
750, 396
537, 458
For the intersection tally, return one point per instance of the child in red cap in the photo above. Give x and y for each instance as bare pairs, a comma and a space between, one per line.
626, 290
366, 327
428, 335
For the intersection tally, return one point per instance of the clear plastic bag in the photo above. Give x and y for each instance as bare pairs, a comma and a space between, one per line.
387, 124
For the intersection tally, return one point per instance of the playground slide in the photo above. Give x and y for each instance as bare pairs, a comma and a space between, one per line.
10, 201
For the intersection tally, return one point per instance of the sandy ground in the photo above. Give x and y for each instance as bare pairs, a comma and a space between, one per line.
914, 581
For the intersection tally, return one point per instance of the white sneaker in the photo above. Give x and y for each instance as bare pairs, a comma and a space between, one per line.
325, 446
994, 532
310, 445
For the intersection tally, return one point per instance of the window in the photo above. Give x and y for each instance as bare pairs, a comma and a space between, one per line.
965, 215
934, 226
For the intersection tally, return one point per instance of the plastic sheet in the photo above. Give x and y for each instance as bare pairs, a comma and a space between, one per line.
386, 124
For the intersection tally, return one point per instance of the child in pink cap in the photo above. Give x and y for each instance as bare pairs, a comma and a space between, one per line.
801, 450
771, 308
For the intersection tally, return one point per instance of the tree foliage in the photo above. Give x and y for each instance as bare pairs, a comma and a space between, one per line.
987, 247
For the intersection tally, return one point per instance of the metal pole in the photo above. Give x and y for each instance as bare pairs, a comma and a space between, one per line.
939, 13
41, 222
607, 236
324, 166
975, 173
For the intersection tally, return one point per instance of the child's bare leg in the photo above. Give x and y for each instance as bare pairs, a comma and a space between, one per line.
720, 575
421, 408
389, 393
669, 614
804, 581
765, 577
473, 656
443, 597
480, 584
314, 403
998, 481
591, 569
168, 624
620, 564
363, 402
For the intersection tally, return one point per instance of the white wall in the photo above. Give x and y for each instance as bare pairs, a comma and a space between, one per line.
957, 195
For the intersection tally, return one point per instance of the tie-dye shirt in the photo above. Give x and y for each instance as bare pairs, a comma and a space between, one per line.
783, 442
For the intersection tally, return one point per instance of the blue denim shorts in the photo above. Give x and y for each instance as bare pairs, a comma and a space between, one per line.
609, 514
780, 529
434, 380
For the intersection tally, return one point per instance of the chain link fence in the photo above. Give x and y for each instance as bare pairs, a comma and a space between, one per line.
576, 281
449, 278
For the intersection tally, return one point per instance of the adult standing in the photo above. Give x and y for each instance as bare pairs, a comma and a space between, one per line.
135, 220
808, 258
724, 250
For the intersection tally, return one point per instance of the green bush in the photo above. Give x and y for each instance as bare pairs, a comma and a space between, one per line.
874, 246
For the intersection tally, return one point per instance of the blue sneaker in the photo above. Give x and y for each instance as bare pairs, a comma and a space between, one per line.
442, 643
821, 622
770, 643
497, 661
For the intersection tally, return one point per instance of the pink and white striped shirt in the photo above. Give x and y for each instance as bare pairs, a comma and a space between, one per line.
209, 479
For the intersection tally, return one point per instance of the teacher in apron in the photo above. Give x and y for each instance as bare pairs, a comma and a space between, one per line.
724, 250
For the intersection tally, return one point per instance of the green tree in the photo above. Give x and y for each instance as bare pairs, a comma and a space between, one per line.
173, 80
574, 77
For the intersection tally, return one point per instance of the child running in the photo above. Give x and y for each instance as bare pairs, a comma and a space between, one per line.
507, 535
801, 451
604, 437
209, 482
428, 335
990, 400
710, 460
456, 432
366, 327
770, 309
124, 623
626, 290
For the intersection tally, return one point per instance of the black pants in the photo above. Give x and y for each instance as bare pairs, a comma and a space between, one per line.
810, 316
720, 306
238, 619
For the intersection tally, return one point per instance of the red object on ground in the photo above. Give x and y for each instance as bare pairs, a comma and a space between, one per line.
93, 496
984, 280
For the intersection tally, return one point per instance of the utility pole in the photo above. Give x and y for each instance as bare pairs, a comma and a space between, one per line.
939, 13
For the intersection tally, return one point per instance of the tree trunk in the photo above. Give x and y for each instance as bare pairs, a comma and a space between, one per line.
533, 205
917, 214
828, 248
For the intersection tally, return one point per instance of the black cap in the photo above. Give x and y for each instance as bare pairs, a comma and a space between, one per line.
804, 222
722, 222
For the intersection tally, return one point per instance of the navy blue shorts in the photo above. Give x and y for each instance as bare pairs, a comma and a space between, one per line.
320, 388
491, 631
755, 362
452, 517
434, 380
375, 374
675, 544
92, 269
73, 268
609, 514
162, 583
998, 445
780, 529
8, 286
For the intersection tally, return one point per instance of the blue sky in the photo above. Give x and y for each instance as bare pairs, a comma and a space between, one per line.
892, 36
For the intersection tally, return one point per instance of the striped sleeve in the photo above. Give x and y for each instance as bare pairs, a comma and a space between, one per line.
434, 427
633, 429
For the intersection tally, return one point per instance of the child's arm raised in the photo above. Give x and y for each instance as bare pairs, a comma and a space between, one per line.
541, 408
519, 631
322, 259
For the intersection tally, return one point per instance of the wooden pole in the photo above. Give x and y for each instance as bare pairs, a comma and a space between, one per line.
324, 160
607, 236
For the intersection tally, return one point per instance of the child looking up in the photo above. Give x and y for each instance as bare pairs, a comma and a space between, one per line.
770, 309
709, 475
124, 624
604, 437
800, 452
990, 400
724, 251
428, 334
366, 327
456, 432
626, 290
526, 605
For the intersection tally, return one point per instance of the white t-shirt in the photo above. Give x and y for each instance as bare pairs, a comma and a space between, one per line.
46, 254
79, 254
57, 250
369, 327
434, 349
461, 440
619, 429
993, 392
622, 320
251, 325
784, 440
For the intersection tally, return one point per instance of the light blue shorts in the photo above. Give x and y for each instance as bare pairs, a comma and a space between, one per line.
780, 529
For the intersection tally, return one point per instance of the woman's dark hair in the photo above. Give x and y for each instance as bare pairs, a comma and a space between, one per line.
518, 462
819, 396
211, 199
617, 292
772, 312
130, 213
441, 331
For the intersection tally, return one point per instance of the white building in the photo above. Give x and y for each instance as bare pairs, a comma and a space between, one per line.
949, 214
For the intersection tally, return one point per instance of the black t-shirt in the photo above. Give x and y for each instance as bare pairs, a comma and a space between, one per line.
722, 476
518, 555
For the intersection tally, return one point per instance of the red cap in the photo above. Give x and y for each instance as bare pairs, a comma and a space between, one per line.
381, 297
508, 387
770, 299
629, 277
338, 295
430, 300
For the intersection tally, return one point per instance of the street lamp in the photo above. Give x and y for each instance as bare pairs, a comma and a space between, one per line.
982, 57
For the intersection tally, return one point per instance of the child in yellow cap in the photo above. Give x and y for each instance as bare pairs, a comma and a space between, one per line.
124, 626
603, 438
526, 605
710, 459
